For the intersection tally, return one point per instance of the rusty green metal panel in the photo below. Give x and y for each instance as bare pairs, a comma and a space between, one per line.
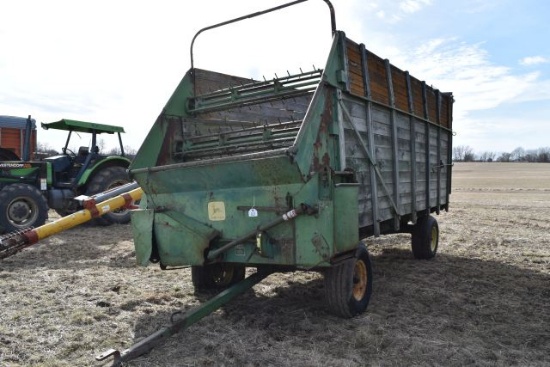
346, 213
142, 227
183, 238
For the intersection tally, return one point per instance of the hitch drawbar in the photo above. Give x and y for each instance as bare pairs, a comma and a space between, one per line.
188, 319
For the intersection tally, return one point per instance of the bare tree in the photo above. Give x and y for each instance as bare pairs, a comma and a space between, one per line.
130, 152
101, 144
517, 154
487, 156
544, 155
45, 149
463, 153
469, 157
531, 156
504, 157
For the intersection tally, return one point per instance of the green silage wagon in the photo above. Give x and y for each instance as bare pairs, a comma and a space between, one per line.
293, 172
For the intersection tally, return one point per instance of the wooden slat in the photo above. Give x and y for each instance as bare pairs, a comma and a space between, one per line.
400, 89
354, 68
378, 79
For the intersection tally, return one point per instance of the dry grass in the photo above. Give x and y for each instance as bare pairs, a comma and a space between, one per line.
484, 300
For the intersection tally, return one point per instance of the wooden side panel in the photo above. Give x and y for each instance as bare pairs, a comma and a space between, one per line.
405, 136
421, 152
357, 158
424, 97
430, 148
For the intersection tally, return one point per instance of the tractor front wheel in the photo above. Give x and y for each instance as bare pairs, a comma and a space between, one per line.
22, 206
106, 179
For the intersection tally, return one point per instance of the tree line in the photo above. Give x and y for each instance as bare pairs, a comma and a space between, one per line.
465, 153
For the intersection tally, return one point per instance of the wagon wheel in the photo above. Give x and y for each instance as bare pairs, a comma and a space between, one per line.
216, 276
348, 285
425, 238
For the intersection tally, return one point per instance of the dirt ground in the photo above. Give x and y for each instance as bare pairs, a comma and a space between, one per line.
483, 301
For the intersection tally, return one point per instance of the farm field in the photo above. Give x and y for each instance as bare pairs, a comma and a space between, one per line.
484, 300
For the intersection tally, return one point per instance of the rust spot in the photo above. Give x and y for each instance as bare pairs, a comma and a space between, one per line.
321, 246
170, 125
316, 165
286, 248
322, 136
326, 160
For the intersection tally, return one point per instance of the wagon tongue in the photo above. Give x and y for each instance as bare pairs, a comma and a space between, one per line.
181, 322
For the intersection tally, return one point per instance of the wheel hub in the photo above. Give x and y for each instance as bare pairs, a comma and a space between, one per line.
222, 275
19, 211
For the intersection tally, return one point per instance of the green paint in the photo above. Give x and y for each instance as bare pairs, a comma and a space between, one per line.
82, 126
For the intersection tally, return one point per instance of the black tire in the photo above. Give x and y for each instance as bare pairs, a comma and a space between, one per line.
104, 180
348, 285
22, 206
425, 238
216, 276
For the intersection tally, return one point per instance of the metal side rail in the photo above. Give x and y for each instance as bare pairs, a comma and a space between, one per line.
257, 92
187, 319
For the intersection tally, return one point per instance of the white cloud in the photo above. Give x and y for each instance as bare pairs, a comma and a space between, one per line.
534, 60
381, 14
466, 70
390, 12
480, 87
412, 6
502, 132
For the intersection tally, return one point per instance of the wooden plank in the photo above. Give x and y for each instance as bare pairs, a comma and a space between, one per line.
377, 77
357, 86
365, 61
393, 135
432, 105
399, 88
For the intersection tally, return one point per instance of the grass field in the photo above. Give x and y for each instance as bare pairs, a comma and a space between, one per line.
483, 301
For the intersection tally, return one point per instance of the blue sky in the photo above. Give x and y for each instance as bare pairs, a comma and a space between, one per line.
118, 62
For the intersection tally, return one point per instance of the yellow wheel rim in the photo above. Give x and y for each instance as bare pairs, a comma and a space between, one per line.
223, 275
433, 242
360, 278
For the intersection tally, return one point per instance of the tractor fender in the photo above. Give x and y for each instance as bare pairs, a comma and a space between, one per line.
102, 164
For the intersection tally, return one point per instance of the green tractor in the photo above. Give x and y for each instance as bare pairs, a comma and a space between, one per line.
28, 189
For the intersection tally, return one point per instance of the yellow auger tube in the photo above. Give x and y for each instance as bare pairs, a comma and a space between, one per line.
83, 215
